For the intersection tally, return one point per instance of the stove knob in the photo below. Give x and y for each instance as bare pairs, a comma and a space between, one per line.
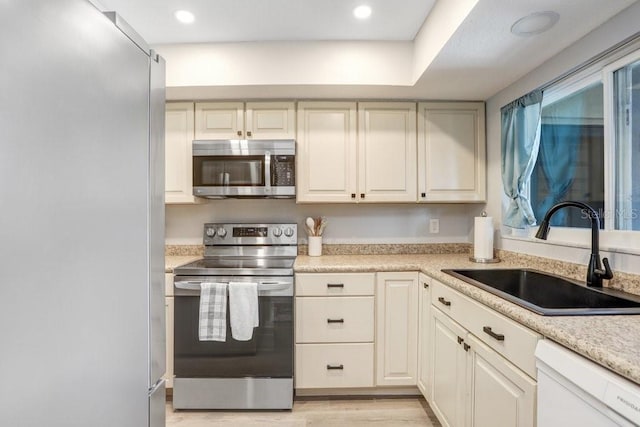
210, 232
222, 232
288, 232
277, 232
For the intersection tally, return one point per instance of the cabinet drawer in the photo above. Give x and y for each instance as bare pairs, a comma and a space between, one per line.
512, 340
334, 284
334, 365
326, 319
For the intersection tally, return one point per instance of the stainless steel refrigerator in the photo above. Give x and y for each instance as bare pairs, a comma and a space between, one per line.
81, 219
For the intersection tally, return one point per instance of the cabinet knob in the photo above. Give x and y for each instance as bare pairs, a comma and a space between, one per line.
423, 194
362, 195
425, 285
248, 133
239, 133
353, 195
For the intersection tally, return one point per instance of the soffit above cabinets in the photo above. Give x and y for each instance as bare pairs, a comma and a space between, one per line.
441, 49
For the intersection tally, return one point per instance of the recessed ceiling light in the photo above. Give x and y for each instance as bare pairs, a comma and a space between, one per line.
362, 12
535, 23
184, 16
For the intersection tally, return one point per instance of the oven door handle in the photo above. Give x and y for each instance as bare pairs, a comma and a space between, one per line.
262, 286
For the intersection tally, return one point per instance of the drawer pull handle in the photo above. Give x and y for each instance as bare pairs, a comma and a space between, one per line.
460, 340
492, 334
335, 367
335, 285
444, 301
425, 285
335, 320
466, 346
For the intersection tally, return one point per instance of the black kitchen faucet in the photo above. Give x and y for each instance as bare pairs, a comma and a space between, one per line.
595, 273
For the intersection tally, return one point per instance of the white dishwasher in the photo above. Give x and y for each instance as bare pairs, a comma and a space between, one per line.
574, 391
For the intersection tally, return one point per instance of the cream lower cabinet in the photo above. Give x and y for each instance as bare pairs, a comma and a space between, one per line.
396, 328
479, 378
178, 145
424, 335
334, 330
451, 152
168, 305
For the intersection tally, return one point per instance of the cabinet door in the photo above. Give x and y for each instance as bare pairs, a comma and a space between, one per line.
169, 324
451, 152
387, 150
178, 163
270, 120
448, 370
396, 328
501, 394
220, 120
326, 153
424, 336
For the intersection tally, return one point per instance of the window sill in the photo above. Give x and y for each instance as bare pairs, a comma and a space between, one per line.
621, 242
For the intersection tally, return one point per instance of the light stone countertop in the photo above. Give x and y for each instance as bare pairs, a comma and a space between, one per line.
611, 341
173, 261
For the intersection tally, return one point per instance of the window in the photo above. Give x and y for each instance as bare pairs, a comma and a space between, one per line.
570, 162
626, 119
588, 146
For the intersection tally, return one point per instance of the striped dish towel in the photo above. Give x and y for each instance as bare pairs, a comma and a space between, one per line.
213, 312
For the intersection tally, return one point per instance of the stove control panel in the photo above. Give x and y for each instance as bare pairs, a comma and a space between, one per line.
250, 234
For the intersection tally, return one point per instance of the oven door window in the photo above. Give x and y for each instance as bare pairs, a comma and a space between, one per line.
236, 171
268, 354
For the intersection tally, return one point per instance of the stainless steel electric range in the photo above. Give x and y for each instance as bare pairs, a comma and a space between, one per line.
255, 374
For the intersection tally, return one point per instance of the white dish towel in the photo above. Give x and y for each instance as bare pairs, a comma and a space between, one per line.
212, 325
243, 309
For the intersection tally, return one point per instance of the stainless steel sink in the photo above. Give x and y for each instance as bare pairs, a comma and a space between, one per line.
547, 294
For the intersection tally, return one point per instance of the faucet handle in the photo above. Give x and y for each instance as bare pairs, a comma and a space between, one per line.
606, 273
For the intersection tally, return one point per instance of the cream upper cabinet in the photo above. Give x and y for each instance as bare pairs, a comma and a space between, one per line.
239, 120
424, 335
396, 328
326, 152
178, 142
387, 152
451, 152
356, 153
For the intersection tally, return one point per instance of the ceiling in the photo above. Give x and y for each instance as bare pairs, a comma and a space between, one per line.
474, 59
269, 20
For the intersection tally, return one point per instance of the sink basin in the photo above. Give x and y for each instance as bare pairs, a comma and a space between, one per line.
548, 294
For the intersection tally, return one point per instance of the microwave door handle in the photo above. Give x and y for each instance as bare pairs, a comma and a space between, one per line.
267, 172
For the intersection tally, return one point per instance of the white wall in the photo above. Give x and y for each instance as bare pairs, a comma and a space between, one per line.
612, 32
380, 223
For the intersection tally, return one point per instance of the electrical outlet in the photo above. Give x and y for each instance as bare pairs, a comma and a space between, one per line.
434, 226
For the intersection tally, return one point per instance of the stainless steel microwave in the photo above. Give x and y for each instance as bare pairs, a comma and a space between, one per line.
244, 168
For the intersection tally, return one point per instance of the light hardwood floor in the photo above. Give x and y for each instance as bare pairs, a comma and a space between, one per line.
388, 412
